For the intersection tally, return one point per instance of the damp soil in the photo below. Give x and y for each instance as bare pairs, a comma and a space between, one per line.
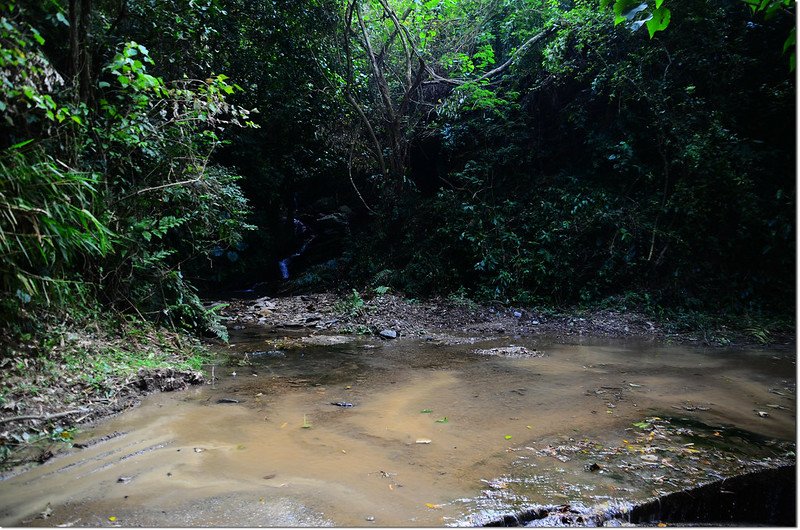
439, 433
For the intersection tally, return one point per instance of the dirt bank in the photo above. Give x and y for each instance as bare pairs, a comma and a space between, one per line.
69, 375
412, 318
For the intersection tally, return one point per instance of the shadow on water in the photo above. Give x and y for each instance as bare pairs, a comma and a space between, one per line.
759, 498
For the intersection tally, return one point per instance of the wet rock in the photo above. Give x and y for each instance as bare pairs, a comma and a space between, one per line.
369, 518
270, 353
344, 404
326, 340
166, 379
423, 441
510, 351
124, 480
227, 400
388, 334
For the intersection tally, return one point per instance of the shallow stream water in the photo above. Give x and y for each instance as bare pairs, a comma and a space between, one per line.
437, 435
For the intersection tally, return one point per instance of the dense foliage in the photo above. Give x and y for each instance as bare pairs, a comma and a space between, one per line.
531, 151
109, 188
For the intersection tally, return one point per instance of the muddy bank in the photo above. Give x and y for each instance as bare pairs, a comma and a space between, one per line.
406, 318
71, 376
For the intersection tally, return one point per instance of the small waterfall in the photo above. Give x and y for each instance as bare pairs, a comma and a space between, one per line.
283, 265
300, 229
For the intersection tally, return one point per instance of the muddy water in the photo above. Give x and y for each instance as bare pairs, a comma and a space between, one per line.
283, 455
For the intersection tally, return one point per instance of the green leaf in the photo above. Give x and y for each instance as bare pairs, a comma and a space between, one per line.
426, 411
21, 144
660, 21
790, 41
61, 18
37, 36
507, 437
442, 420
658, 3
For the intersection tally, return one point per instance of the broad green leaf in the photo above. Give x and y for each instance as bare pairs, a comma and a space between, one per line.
660, 21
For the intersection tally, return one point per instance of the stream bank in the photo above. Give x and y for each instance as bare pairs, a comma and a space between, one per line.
373, 311
70, 374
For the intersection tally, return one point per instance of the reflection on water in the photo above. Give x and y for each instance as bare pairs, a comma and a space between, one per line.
504, 434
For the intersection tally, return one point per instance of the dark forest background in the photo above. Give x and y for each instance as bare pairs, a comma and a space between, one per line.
553, 153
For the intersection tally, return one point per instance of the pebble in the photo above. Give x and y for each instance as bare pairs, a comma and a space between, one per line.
388, 334
369, 518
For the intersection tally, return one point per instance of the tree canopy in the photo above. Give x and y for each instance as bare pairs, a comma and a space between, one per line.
531, 151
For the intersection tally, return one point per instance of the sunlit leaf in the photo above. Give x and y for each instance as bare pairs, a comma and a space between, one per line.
659, 22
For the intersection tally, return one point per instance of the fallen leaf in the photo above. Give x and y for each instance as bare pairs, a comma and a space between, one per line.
528, 427
426, 411
284, 424
442, 420
112, 518
433, 506
507, 437
662, 525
